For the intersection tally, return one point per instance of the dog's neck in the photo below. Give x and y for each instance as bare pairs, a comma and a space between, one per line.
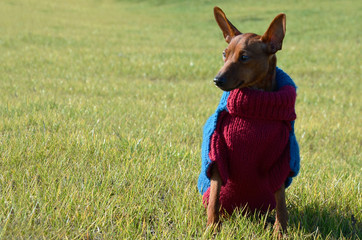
268, 83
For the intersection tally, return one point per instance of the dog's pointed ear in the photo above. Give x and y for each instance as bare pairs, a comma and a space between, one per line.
274, 36
225, 25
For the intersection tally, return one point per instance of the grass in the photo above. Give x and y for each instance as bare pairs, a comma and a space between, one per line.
103, 103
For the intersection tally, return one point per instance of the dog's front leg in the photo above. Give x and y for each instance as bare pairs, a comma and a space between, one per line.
281, 212
213, 206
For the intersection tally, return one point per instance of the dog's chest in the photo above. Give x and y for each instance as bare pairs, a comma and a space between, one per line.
255, 143
243, 133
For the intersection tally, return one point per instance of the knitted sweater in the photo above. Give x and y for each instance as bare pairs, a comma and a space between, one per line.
252, 141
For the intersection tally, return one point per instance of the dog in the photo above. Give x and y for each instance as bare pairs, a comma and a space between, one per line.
249, 68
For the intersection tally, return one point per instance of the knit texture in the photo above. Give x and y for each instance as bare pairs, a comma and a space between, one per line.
262, 123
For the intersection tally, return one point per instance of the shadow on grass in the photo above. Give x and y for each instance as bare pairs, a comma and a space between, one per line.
326, 222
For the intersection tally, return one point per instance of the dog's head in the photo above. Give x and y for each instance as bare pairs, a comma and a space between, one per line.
249, 58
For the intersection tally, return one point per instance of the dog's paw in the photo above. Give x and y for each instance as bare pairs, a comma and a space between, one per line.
212, 220
214, 227
279, 232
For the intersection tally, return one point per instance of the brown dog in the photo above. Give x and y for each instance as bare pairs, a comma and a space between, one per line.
250, 61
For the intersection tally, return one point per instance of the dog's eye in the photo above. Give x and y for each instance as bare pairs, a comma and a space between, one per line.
224, 55
243, 58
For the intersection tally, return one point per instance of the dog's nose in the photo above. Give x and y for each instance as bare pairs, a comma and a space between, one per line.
219, 81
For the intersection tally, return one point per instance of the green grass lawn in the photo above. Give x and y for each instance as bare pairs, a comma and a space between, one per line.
102, 105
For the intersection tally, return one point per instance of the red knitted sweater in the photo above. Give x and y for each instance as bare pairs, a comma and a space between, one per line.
250, 147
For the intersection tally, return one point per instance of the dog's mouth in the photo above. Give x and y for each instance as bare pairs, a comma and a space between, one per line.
239, 85
230, 89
